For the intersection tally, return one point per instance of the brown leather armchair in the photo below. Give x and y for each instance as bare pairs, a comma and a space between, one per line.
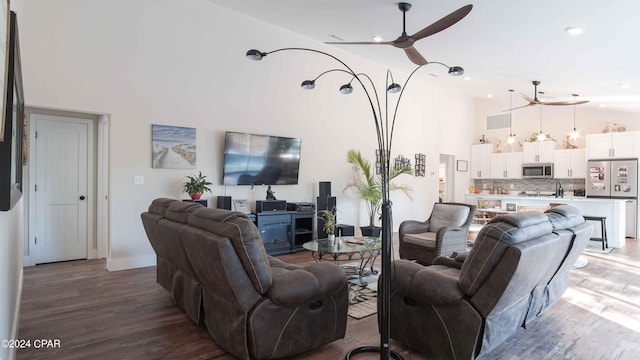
442, 234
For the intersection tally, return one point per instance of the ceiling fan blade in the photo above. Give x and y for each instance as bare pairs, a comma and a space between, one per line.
415, 56
519, 107
443, 23
530, 100
566, 102
360, 42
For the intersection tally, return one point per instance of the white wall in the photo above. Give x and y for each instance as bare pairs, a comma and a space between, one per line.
10, 274
182, 63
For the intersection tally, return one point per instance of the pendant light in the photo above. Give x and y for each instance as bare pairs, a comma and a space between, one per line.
575, 133
541, 136
512, 137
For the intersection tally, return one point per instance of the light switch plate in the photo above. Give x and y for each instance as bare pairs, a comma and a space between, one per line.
138, 180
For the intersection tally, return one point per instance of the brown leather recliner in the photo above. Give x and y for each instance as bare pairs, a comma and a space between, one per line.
442, 234
463, 307
257, 306
174, 272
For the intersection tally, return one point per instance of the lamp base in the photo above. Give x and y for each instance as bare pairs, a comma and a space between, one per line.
363, 349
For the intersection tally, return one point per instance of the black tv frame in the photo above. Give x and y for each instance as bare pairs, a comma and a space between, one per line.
13, 145
225, 159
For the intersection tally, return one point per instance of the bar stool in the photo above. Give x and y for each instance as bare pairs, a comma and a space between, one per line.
603, 229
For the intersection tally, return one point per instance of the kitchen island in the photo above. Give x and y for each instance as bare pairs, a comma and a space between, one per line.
612, 209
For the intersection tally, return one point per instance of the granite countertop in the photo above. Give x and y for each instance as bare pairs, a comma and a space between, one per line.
544, 197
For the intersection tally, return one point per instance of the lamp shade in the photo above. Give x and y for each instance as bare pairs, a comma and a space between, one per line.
346, 89
255, 55
394, 88
456, 71
308, 84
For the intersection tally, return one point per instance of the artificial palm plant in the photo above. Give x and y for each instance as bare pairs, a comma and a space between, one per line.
369, 186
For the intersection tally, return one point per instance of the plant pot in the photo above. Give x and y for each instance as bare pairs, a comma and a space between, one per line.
373, 231
195, 196
331, 237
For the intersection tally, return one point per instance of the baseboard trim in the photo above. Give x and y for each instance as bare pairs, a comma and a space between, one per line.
131, 263
28, 261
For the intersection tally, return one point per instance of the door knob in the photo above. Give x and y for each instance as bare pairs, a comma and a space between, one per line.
82, 197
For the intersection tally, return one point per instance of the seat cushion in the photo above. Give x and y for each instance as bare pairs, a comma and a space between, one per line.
427, 239
447, 215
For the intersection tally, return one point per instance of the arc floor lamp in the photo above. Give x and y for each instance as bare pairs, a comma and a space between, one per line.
384, 132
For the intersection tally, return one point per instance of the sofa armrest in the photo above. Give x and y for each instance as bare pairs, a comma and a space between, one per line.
299, 286
452, 232
413, 227
434, 285
447, 261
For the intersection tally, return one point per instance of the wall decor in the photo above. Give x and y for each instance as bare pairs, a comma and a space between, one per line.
512, 206
401, 162
380, 158
420, 164
11, 148
173, 147
462, 165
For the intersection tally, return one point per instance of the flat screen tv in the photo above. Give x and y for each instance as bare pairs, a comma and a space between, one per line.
251, 159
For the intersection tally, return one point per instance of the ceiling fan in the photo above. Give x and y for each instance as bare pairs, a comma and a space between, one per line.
405, 41
536, 101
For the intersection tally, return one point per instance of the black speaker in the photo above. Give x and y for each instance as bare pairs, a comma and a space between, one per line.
325, 189
224, 202
270, 205
326, 203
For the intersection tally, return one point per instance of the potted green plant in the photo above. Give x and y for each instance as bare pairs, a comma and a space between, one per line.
196, 185
329, 218
369, 187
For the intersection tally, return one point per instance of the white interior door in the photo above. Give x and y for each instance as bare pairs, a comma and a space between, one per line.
62, 187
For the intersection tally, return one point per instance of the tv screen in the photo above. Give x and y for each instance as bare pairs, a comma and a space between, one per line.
251, 159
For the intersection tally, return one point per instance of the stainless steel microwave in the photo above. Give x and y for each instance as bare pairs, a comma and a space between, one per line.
537, 171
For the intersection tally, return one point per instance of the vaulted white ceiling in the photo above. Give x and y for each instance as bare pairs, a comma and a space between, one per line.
502, 44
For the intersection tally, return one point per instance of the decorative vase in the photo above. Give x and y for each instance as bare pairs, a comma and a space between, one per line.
195, 196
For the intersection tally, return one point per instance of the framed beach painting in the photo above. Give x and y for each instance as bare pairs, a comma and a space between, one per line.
173, 147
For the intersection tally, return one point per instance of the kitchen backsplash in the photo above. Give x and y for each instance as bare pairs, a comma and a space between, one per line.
528, 185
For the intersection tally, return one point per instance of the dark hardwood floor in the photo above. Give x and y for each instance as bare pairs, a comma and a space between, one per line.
125, 315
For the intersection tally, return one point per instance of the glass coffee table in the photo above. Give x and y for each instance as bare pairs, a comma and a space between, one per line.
363, 250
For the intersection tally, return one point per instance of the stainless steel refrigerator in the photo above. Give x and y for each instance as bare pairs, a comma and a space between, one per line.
616, 179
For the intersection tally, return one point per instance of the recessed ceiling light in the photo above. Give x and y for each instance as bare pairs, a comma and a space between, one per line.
574, 30
603, 105
467, 78
377, 38
624, 86
489, 96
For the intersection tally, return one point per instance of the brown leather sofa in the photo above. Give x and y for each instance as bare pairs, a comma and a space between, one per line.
255, 306
463, 307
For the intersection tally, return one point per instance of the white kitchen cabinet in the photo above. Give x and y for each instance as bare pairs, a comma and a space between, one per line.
617, 145
506, 165
570, 164
481, 161
538, 152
